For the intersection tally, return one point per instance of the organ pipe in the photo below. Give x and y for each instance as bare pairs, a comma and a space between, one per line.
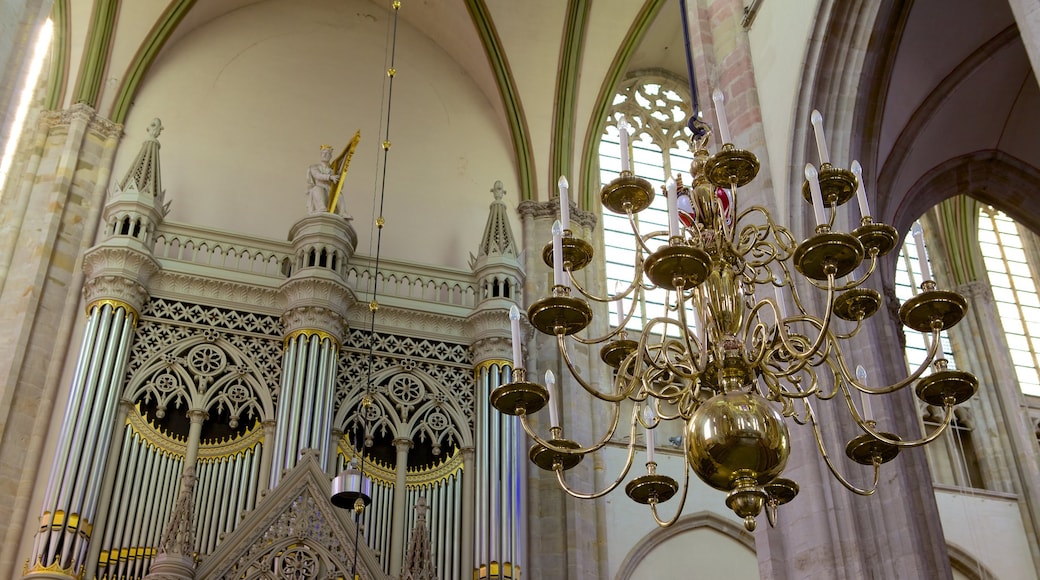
68, 513
305, 410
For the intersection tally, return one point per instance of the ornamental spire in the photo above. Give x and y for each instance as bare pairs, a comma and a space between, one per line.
144, 175
498, 236
418, 563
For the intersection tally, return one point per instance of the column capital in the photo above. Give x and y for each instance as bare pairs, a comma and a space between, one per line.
197, 415
403, 442
976, 291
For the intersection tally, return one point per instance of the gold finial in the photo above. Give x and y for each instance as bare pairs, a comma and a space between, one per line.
326, 147
373, 306
380, 222
390, 72
397, 4
386, 145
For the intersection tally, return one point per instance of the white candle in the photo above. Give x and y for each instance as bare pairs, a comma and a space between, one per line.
550, 385
922, 255
557, 249
861, 192
861, 376
648, 417
565, 204
619, 305
720, 112
626, 164
514, 327
673, 209
781, 306
821, 139
817, 196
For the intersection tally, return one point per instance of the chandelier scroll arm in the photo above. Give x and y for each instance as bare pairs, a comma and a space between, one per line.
702, 350
947, 419
572, 450
830, 465
933, 350
617, 481
610, 398
679, 509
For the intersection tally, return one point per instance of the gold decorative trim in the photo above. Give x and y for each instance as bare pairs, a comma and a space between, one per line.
485, 365
309, 332
114, 555
177, 445
115, 304
386, 475
60, 520
53, 568
496, 570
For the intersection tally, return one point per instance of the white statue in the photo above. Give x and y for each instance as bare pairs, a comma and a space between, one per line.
320, 179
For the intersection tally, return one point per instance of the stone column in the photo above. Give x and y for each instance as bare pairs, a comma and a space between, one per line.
1010, 444
49, 217
270, 429
398, 523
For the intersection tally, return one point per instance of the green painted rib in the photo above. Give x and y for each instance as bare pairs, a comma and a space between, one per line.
959, 227
95, 58
146, 54
58, 75
617, 68
478, 12
574, 31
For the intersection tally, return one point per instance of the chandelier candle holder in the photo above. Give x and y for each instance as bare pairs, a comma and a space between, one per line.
738, 353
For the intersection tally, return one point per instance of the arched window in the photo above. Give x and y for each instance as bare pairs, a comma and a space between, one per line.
656, 108
1012, 278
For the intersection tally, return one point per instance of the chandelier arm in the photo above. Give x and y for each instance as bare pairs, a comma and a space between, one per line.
947, 419
572, 450
617, 481
702, 351
610, 398
851, 283
801, 356
933, 350
792, 347
830, 466
679, 509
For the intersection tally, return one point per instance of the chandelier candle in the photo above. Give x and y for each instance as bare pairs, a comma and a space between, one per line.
650, 419
554, 401
557, 253
720, 112
861, 377
821, 139
861, 192
673, 209
922, 254
514, 327
817, 196
565, 204
622, 126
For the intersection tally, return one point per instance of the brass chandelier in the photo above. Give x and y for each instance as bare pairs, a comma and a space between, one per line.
731, 358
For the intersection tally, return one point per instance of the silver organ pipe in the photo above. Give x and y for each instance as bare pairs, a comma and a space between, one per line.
499, 469
135, 521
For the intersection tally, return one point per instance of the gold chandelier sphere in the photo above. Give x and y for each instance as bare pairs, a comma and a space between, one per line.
737, 438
